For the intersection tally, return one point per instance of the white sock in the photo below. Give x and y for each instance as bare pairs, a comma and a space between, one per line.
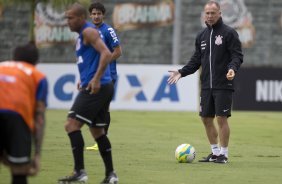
215, 149
224, 151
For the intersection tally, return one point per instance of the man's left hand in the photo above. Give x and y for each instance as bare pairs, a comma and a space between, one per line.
230, 74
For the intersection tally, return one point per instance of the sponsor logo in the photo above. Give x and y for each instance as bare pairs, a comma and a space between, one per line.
137, 87
7, 78
128, 16
203, 45
113, 34
20, 66
268, 91
51, 26
79, 60
164, 91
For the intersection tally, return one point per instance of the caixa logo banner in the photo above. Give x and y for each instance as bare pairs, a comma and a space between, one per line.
139, 87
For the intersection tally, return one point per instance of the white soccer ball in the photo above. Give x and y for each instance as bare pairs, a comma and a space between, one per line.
185, 153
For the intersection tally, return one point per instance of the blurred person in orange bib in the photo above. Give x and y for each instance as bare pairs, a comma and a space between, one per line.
23, 93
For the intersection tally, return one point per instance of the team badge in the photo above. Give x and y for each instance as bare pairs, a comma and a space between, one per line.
218, 40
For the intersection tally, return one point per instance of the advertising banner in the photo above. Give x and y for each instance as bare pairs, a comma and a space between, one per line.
139, 87
258, 89
128, 16
51, 27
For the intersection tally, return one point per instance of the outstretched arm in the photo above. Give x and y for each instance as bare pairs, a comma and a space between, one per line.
174, 77
195, 61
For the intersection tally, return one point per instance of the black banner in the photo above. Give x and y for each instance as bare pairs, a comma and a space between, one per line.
258, 89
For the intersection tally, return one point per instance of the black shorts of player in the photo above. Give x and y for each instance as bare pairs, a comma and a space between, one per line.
92, 109
15, 139
215, 102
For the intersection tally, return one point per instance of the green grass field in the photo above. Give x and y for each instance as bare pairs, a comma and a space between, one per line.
144, 144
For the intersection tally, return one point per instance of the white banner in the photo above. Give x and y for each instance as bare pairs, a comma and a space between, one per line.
139, 87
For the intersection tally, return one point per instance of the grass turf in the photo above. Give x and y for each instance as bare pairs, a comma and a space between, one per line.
144, 144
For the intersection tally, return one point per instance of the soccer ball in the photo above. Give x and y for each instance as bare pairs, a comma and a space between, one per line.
185, 153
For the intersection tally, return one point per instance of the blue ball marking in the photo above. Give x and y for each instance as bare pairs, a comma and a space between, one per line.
187, 151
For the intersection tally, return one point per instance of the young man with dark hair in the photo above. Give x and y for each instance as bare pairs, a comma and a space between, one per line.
95, 93
218, 52
23, 94
97, 14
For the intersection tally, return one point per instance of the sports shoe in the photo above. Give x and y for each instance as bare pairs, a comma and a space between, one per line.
80, 177
209, 158
94, 147
221, 159
110, 179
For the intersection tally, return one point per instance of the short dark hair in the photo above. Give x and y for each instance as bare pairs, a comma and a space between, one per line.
98, 6
28, 53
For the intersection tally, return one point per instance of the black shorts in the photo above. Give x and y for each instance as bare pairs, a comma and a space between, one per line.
15, 138
92, 109
215, 102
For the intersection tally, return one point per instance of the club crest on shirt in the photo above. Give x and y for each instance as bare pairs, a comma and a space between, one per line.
218, 40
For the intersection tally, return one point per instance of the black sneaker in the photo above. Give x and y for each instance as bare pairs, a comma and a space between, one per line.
221, 159
80, 177
110, 179
209, 158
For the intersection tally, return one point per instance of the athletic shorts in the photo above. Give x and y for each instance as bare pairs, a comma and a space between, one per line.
215, 103
92, 109
15, 139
